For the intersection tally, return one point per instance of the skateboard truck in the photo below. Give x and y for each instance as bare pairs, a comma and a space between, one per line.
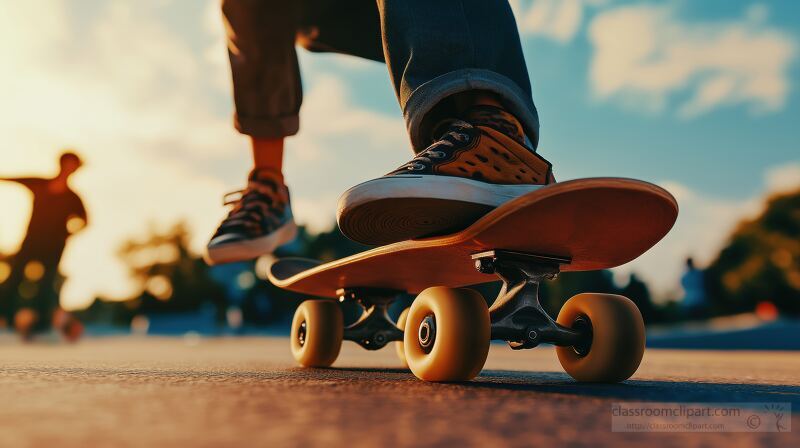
374, 329
517, 315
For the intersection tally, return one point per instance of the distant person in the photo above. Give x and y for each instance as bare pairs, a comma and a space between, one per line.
460, 78
694, 303
31, 293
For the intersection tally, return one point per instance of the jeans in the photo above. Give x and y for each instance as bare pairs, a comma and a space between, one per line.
432, 48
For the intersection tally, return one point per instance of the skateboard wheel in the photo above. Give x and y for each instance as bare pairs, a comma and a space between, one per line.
617, 342
317, 332
398, 346
446, 336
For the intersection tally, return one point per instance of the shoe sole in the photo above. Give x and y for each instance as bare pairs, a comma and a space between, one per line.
251, 249
397, 208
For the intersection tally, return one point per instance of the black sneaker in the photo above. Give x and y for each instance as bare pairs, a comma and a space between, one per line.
477, 164
260, 220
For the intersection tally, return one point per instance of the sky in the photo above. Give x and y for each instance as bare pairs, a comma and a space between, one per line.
699, 97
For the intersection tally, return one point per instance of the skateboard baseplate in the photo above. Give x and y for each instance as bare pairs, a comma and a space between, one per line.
584, 224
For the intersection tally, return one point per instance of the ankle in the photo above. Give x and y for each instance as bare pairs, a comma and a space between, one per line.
267, 153
466, 100
485, 108
485, 99
497, 118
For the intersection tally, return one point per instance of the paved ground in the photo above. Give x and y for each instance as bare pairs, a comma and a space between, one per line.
247, 392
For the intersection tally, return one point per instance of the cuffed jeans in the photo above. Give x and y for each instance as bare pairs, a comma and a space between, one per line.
433, 49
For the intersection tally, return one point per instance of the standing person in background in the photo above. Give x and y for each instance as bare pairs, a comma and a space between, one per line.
30, 295
694, 303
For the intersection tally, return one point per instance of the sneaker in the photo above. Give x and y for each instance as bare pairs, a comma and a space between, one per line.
260, 220
476, 165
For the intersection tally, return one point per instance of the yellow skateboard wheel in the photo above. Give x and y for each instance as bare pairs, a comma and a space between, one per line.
447, 334
317, 333
618, 338
398, 346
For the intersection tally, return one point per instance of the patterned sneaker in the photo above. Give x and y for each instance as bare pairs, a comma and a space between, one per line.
260, 220
475, 166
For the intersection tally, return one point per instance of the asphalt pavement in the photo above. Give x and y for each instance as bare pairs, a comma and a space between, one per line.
192, 391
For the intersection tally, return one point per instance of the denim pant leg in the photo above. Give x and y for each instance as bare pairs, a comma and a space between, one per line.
437, 48
261, 38
266, 77
457, 46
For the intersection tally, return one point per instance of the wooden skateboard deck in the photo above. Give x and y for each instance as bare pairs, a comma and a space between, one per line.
598, 223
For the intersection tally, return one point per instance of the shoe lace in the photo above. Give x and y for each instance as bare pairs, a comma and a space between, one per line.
251, 206
438, 150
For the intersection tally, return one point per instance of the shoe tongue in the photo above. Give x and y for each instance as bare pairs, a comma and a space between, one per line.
265, 175
269, 182
266, 181
498, 119
447, 125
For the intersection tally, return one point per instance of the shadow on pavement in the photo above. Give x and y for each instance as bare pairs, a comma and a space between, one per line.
554, 383
562, 384
641, 390
370, 369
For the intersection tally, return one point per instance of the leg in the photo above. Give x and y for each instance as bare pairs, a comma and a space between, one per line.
457, 46
355, 27
466, 98
267, 153
267, 95
46, 300
23, 287
9, 290
342, 26
266, 76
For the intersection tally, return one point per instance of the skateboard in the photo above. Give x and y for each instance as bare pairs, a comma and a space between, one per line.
577, 225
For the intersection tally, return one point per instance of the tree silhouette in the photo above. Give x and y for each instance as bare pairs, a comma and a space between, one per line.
761, 261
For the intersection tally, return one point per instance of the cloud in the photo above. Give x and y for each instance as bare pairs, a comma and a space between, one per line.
784, 178
559, 20
645, 55
703, 226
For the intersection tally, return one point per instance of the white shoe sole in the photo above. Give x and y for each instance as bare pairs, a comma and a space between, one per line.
397, 208
251, 249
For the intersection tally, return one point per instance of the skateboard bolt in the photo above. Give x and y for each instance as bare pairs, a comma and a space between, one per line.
380, 338
301, 334
484, 266
532, 335
427, 333
584, 326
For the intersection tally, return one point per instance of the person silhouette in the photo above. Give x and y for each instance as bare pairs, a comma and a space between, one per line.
31, 291
694, 303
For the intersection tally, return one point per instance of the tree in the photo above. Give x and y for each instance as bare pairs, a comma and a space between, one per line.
170, 278
761, 261
554, 293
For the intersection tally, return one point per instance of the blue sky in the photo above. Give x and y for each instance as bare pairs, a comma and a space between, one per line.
701, 97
